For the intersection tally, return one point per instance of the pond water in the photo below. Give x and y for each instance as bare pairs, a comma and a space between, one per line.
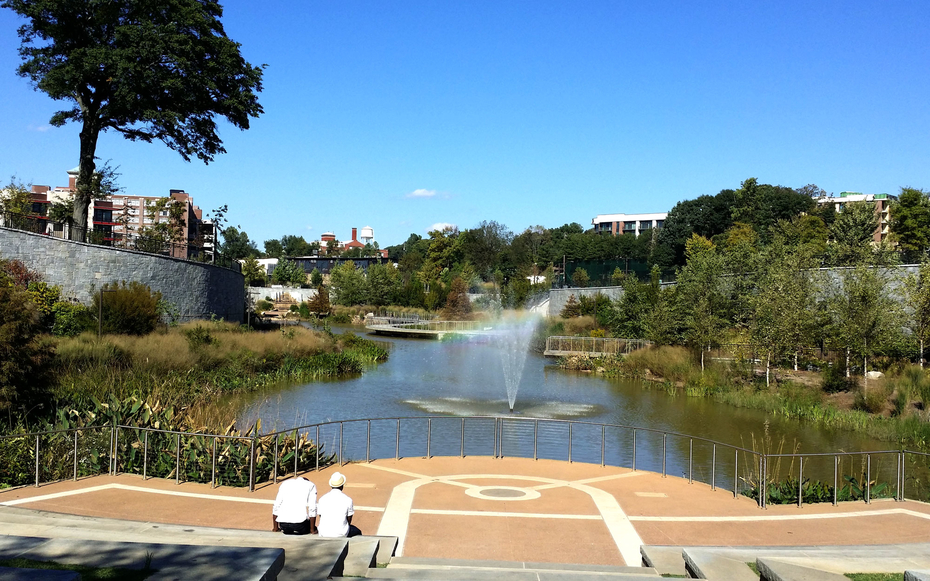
465, 378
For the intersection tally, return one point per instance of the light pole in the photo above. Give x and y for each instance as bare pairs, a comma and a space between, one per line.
100, 310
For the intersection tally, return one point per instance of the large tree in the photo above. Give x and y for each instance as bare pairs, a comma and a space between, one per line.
161, 69
910, 223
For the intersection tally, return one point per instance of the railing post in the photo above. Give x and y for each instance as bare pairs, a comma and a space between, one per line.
800, 481
37, 460
569, 442
397, 442
691, 461
664, 446
634, 449
252, 465
75, 454
429, 435
763, 465
213, 463
177, 460
836, 460
463, 437
536, 439
495, 437
735, 473
713, 468
317, 446
898, 477
368, 444
868, 479
341, 462
500, 437
145, 455
116, 452
603, 442
274, 478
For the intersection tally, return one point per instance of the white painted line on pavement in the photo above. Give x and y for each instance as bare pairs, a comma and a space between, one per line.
505, 514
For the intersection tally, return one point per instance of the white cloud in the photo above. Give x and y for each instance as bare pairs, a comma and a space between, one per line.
441, 226
421, 193
40, 128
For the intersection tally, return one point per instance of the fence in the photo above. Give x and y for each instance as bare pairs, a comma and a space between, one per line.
103, 236
248, 460
559, 345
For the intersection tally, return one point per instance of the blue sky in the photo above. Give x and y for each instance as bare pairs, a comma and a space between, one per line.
402, 115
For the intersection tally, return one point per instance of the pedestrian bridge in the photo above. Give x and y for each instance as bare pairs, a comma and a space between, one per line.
428, 329
559, 346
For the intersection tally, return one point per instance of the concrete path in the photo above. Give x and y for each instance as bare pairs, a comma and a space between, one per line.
500, 509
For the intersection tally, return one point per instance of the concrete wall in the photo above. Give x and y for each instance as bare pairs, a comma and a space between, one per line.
197, 290
559, 296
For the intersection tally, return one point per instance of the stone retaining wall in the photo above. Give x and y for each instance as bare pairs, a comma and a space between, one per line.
197, 290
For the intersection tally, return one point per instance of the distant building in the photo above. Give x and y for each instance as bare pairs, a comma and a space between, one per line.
635, 224
367, 237
882, 203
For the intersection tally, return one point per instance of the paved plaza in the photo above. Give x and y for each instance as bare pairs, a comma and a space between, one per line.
500, 509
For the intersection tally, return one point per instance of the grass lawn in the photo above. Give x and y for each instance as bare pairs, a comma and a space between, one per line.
876, 576
87, 573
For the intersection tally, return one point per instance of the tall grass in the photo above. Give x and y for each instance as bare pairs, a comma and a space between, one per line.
199, 362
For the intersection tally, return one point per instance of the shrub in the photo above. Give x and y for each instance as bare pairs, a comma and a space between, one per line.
71, 319
580, 278
22, 352
128, 309
263, 306
835, 380
871, 399
198, 337
571, 308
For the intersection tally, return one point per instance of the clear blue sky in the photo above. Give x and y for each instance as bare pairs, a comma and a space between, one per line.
401, 115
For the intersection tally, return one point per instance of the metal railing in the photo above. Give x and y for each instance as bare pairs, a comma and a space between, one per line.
102, 237
248, 460
594, 345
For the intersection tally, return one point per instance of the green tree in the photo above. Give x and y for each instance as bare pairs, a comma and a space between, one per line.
348, 284
917, 298
700, 294
571, 308
382, 281
163, 231
580, 278
253, 272
910, 223
853, 231
289, 272
273, 249
319, 304
23, 355
148, 70
316, 278
15, 198
236, 244
483, 245
864, 314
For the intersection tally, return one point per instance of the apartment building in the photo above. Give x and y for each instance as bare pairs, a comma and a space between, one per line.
882, 203
636, 224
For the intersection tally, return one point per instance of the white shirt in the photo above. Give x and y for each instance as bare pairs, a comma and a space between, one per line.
334, 508
296, 501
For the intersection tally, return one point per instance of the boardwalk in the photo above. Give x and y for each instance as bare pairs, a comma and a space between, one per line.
428, 329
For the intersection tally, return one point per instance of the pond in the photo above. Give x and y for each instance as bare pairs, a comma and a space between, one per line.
465, 378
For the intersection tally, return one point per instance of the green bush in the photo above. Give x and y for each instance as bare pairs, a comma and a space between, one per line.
871, 400
128, 309
263, 306
198, 337
71, 319
835, 380
23, 354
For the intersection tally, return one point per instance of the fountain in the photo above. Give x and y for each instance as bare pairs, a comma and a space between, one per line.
512, 339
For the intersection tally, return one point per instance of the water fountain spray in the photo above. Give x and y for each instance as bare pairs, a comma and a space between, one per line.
512, 338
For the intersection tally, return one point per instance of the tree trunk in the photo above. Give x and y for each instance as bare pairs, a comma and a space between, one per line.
86, 167
795, 360
702, 360
768, 365
847, 362
921, 352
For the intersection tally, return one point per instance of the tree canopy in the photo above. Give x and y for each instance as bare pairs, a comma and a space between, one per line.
156, 70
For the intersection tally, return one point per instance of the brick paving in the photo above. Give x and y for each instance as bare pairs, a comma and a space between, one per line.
505, 509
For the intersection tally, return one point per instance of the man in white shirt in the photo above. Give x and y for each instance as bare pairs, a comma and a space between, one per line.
336, 510
294, 509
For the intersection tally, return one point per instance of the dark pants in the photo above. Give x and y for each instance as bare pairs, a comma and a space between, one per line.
298, 528
353, 531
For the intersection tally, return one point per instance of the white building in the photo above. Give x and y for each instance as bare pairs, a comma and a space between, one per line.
636, 224
881, 202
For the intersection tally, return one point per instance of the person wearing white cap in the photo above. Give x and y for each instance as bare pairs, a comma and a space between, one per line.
336, 510
294, 510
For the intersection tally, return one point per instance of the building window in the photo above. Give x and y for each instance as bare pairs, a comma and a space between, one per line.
660, 223
645, 224
629, 226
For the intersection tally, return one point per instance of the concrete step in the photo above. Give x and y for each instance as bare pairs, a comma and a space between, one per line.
208, 563
11, 574
463, 574
922, 575
708, 564
307, 557
664, 559
361, 556
773, 570
426, 562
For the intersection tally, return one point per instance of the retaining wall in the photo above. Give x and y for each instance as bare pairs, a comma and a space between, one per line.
198, 290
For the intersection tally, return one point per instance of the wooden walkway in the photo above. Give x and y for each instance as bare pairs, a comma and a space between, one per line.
429, 329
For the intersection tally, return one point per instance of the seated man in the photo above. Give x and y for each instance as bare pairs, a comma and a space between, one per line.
294, 509
336, 510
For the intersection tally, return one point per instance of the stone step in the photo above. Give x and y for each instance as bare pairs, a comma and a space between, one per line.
426, 562
922, 575
773, 570
208, 563
665, 560
708, 564
361, 556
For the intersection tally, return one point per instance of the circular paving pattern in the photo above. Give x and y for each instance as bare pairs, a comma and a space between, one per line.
502, 493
